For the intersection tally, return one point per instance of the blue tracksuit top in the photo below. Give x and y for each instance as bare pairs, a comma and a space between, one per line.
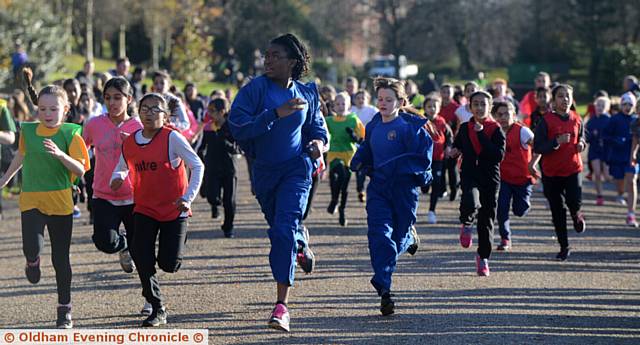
254, 123
617, 138
596, 127
397, 149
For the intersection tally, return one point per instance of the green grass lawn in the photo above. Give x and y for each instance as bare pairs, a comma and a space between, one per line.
74, 63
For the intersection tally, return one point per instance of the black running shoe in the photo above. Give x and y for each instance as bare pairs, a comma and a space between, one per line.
215, 214
413, 248
32, 271
387, 306
342, 219
579, 225
564, 254
158, 317
64, 320
228, 233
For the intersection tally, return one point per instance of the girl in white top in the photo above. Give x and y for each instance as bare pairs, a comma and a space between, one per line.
362, 108
463, 113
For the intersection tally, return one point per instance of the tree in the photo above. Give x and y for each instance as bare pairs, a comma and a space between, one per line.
41, 32
160, 27
113, 21
247, 25
474, 32
393, 15
192, 48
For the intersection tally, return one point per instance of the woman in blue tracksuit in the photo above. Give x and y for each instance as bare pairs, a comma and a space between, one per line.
277, 121
396, 154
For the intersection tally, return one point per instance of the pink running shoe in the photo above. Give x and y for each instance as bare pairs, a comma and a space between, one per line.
599, 200
631, 220
465, 236
482, 266
279, 318
504, 245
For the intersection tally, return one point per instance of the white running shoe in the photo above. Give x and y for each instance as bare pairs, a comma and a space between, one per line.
431, 218
146, 309
621, 200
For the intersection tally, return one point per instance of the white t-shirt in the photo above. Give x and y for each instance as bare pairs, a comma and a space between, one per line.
526, 135
365, 114
463, 113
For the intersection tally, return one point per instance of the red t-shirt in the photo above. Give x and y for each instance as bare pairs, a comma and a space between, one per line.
448, 112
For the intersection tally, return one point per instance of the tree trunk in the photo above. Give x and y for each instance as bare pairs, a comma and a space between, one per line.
155, 44
69, 27
89, 32
122, 47
463, 54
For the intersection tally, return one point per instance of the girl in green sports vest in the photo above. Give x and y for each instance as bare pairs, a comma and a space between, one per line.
346, 130
52, 155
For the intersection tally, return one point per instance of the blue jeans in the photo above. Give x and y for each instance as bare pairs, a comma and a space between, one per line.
517, 197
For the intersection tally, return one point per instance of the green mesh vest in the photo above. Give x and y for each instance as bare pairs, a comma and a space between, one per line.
41, 172
340, 139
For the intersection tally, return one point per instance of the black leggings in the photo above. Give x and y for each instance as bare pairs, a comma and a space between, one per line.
106, 226
558, 191
88, 179
60, 228
451, 166
339, 177
314, 187
171, 244
481, 202
228, 184
437, 186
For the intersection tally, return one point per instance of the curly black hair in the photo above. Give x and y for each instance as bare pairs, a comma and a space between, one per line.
295, 50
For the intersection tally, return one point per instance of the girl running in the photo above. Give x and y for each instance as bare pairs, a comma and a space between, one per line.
481, 143
559, 139
396, 154
596, 126
220, 164
618, 137
362, 108
105, 133
154, 156
178, 114
463, 113
345, 129
516, 181
278, 122
442, 137
51, 154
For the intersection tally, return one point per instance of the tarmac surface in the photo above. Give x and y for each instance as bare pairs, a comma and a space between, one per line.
225, 285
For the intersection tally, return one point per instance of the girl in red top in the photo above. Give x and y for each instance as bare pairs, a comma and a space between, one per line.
559, 138
155, 157
442, 137
481, 143
516, 182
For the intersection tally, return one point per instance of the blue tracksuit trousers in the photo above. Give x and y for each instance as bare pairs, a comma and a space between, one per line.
282, 190
391, 211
